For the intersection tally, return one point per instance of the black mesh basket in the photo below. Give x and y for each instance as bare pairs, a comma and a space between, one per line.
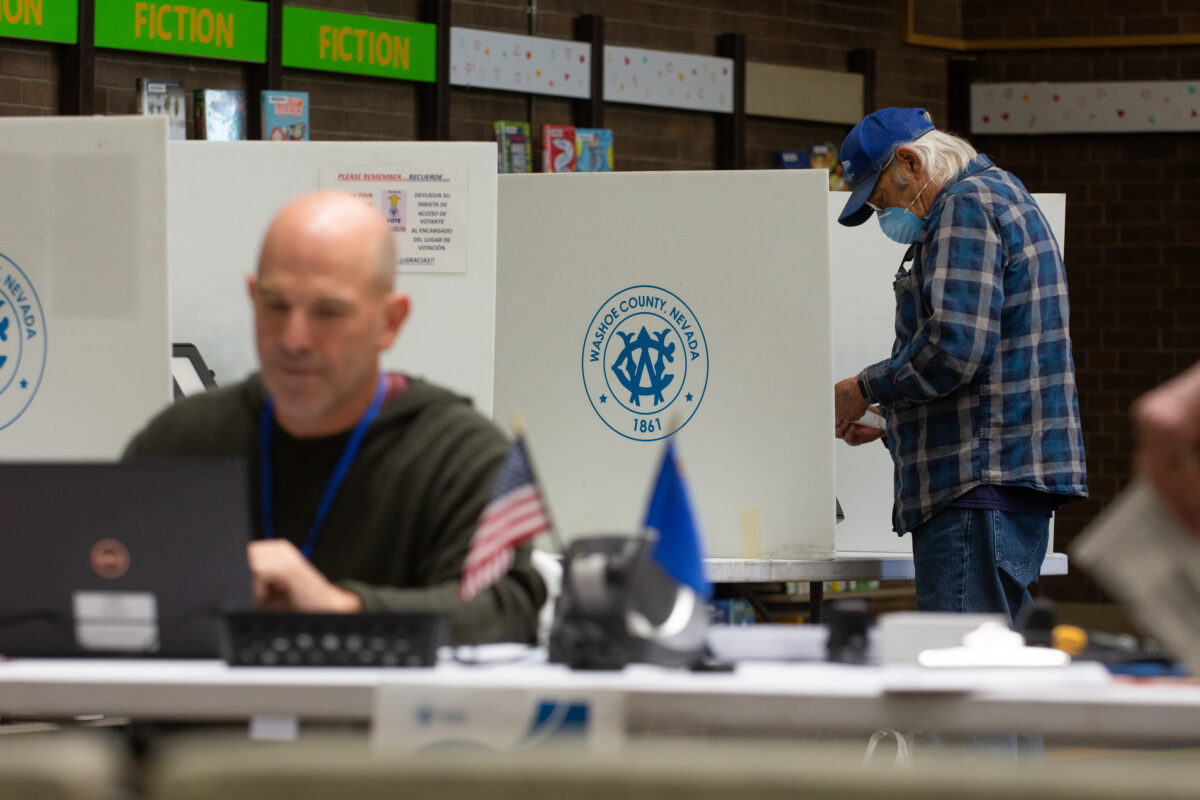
285, 639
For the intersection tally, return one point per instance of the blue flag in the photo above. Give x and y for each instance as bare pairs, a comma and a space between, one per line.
679, 550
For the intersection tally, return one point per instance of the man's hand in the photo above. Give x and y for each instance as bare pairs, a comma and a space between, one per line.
1167, 422
848, 402
854, 434
285, 580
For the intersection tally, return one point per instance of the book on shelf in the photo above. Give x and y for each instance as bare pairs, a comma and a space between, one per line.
593, 150
220, 114
732, 611
791, 159
513, 146
284, 116
824, 155
558, 148
167, 97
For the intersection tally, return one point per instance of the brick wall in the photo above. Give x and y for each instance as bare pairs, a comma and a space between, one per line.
28, 79
1025, 19
1132, 244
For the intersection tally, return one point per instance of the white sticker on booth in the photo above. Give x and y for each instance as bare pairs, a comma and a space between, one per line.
425, 206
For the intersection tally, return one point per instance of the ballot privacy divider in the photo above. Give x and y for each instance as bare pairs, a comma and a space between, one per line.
611, 310
439, 198
84, 350
632, 307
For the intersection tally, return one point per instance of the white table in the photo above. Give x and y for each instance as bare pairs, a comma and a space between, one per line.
845, 566
757, 698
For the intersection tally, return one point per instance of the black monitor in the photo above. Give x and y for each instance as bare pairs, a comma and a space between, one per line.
189, 373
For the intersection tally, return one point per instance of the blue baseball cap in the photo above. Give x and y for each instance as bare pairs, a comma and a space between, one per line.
868, 148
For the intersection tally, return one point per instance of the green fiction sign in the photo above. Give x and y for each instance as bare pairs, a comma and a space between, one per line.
44, 20
334, 42
230, 29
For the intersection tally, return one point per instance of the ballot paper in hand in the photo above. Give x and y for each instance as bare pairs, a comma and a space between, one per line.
1139, 554
871, 420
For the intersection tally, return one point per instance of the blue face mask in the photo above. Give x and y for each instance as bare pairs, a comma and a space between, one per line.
900, 224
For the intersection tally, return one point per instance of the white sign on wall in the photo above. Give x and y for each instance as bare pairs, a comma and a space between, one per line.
662, 78
561, 67
1085, 107
533, 64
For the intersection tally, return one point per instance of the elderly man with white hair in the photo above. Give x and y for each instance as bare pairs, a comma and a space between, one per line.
978, 394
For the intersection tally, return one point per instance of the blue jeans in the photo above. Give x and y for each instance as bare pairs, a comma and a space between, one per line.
979, 560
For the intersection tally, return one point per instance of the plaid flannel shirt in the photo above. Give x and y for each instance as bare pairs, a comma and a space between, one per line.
980, 386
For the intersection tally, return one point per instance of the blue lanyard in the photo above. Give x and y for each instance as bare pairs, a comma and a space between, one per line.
335, 482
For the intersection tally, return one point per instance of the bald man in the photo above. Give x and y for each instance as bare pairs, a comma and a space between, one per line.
367, 485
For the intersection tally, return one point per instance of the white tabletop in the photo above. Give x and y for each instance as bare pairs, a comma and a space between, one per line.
758, 697
845, 566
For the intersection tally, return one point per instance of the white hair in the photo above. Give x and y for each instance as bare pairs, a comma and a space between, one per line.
943, 155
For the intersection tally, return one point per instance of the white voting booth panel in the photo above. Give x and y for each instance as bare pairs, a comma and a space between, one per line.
224, 194
84, 352
864, 263
631, 304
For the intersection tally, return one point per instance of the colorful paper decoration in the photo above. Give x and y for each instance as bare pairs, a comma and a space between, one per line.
533, 64
560, 67
661, 78
1085, 107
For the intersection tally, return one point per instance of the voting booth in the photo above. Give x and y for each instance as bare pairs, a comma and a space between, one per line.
612, 311
632, 307
864, 263
115, 243
439, 198
84, 349
771, 299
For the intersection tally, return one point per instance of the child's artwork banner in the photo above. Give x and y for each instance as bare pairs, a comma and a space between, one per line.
1085, 107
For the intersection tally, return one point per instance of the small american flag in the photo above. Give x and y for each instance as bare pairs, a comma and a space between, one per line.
515, 513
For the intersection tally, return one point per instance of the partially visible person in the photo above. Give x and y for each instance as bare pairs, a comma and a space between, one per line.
978, 392
1167, 423
367, 486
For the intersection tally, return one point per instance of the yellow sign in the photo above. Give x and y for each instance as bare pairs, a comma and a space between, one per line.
22, 12
233, 29
363, 46
185, 23
45, 20
328, 40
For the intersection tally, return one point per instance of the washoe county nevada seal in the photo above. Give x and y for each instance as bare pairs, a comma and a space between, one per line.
645, 363
22, 342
